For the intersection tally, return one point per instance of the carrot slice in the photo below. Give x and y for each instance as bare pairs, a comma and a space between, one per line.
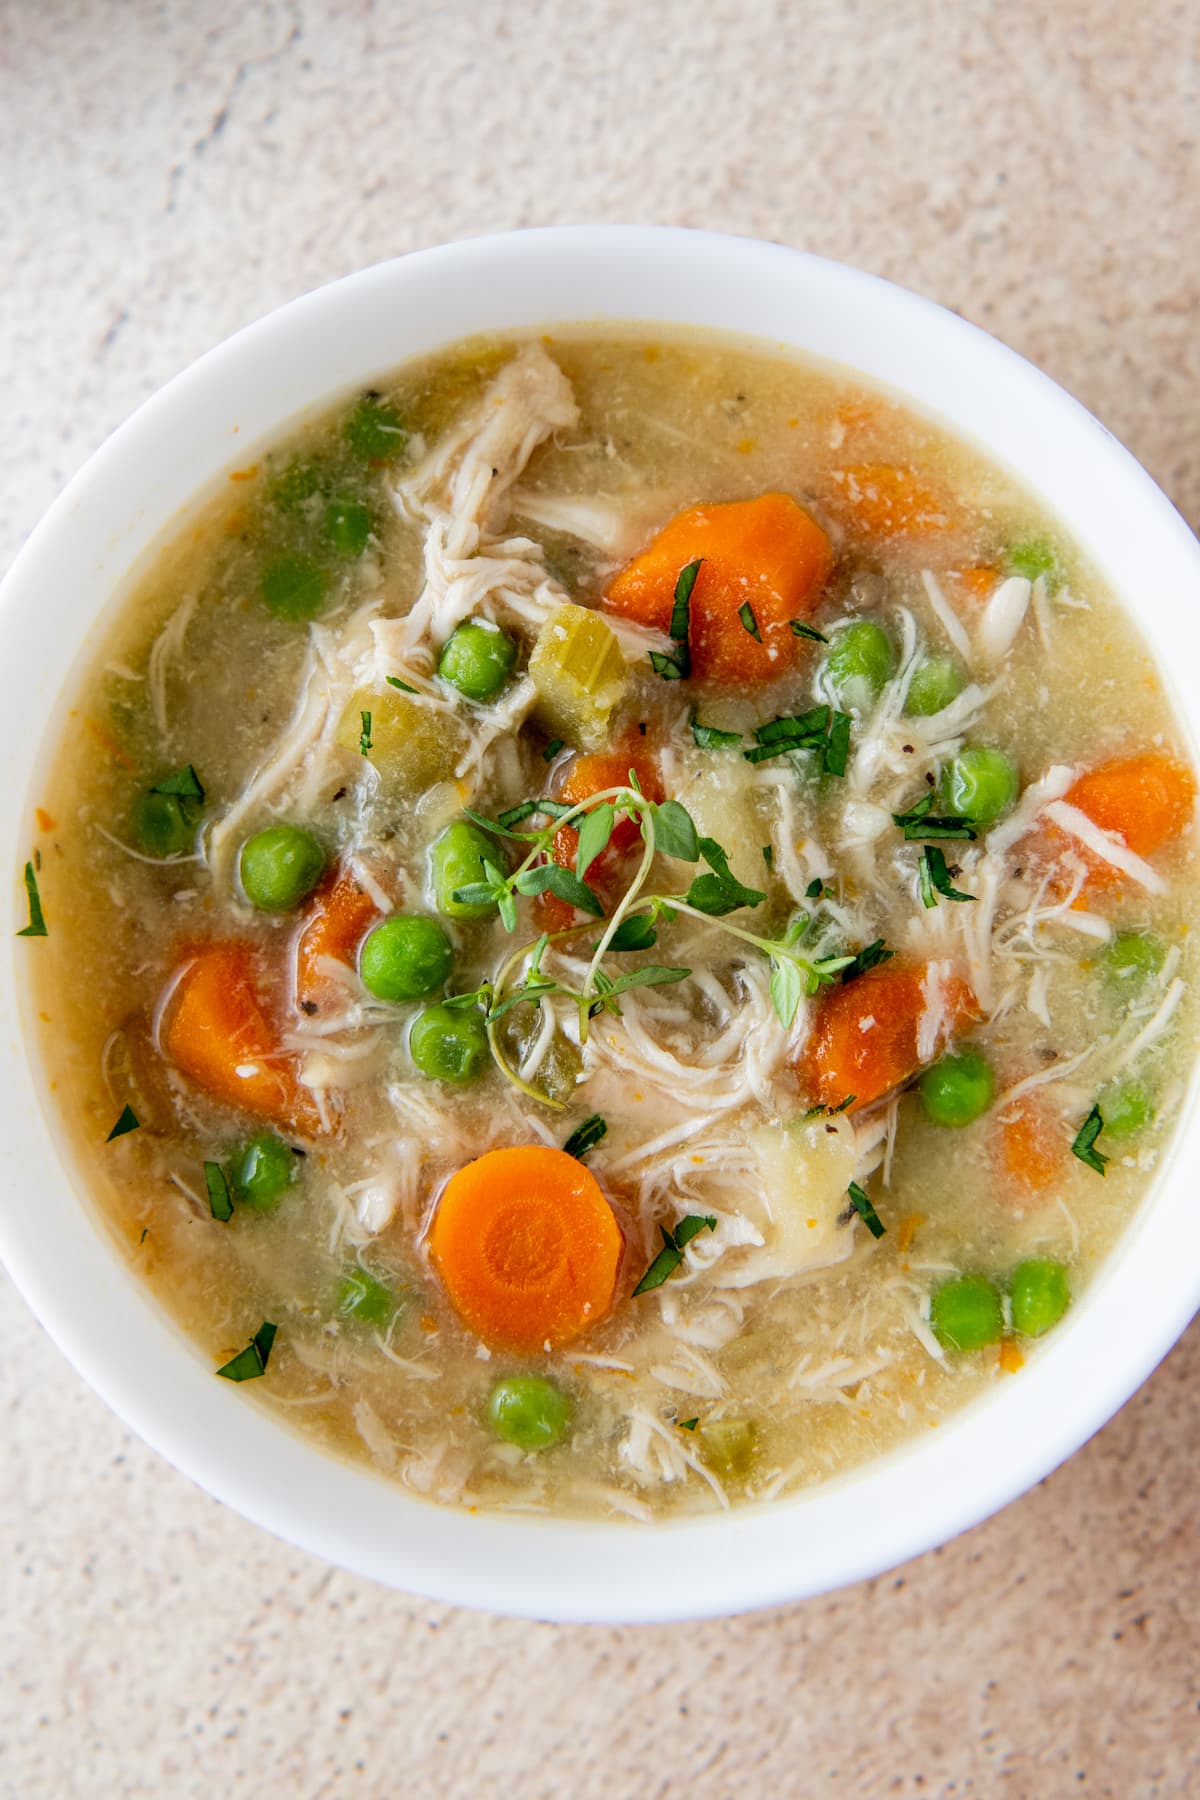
334, 928
767, 552
527, 1247
866, 1037
216, 1032
588, 775
1032, 1151
979, 582
1147, 801
889, 500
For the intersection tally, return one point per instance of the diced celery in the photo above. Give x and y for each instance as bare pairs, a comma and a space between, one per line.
412, 745
728, 1445
579, 673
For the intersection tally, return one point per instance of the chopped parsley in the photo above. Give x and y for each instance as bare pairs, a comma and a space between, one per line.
819, 729
869, 957
689, 1424
815, 889
768, 856
676, 664
37, 919
800, 629
708, 737
364, 741
185, 783
865, 1210
395, 681
128, 1121
220, 1201
934, 878
920, 821
552, 749
1084, 1146
671, 1254
749, 622
721, 892
251, 1362
585, 1137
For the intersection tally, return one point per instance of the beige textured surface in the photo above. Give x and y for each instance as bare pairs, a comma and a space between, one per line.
170, 172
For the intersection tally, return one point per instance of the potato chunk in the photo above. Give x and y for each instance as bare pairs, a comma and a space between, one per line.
579, 673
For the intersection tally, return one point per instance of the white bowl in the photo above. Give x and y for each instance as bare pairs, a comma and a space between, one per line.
57, 598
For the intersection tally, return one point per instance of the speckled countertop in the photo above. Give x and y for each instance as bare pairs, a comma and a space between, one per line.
170, 172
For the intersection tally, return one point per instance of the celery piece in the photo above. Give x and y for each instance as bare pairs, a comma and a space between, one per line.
579, 673
412, 745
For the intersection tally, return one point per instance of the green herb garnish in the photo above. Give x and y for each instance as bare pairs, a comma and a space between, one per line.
671, 1254
721, 892
552, 749
868, 958
815, 889
1084, 1146
37, 919
837, 751
708, 737
128, 1121
251, 1362
749, 622
768, 855
800, 629
866, 1211
220, 1201
921, 822
364, 740
395, 681
676, 665
585, 1137
185, 783
934, 878
819, 729
689, 1424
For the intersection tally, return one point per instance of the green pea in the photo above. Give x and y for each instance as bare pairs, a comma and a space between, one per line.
347, 525
164, 824
1133, 956
1031, 557
1126, 1109
405, 958
456, 861
295, 487
860, 661
529, 1411
261, 1172
280, 866
728, 1445
958, 1089
375, 430
966, 1313
477, 659
1040, 1294
936, 681
294, 587
450, 1043
360, 1295
979, 784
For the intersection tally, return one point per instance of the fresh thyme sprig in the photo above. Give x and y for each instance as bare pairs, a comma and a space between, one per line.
668, 829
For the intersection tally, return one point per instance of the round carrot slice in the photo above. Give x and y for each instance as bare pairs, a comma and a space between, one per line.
527, 1248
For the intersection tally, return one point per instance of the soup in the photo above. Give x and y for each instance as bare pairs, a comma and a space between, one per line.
616, 925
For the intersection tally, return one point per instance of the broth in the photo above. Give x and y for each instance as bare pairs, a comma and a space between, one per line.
283, 649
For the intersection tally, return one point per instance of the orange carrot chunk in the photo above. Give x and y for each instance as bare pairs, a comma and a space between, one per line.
766, 552
216, 1032
1033, 1152
527, 1247
1147, 801
887, 500
335, 926
867, 1035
